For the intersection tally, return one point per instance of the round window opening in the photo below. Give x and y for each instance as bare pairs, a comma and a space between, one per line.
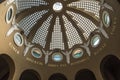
106, 18
9, 14
57, 57
36, 53
95, 41
78, 53
18, 39
57, 7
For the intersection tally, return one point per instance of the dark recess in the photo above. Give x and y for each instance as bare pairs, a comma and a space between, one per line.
57, 76
4, 69
119, 1
29, 75
1, 1
85, 75
110, 68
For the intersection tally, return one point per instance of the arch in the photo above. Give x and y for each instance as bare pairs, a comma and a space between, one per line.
57, 76
85, 74
110, 68
7, 67
30, 75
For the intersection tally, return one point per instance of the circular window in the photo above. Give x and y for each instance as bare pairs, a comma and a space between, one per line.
106, 18
9, 14
57, 6
95, 41
57, 57
18, 39
78, 53
36, 53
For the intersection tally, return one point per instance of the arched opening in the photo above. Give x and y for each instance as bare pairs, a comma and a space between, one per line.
85, 75
6, 67
57, 76
1, 1
30, 75
110, 68
119, 1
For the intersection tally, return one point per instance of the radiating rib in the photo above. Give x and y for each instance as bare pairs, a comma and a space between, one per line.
83, 23
40, 36
24, 4
64, 33
57, 37
87, 5
28, 22
72, 34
